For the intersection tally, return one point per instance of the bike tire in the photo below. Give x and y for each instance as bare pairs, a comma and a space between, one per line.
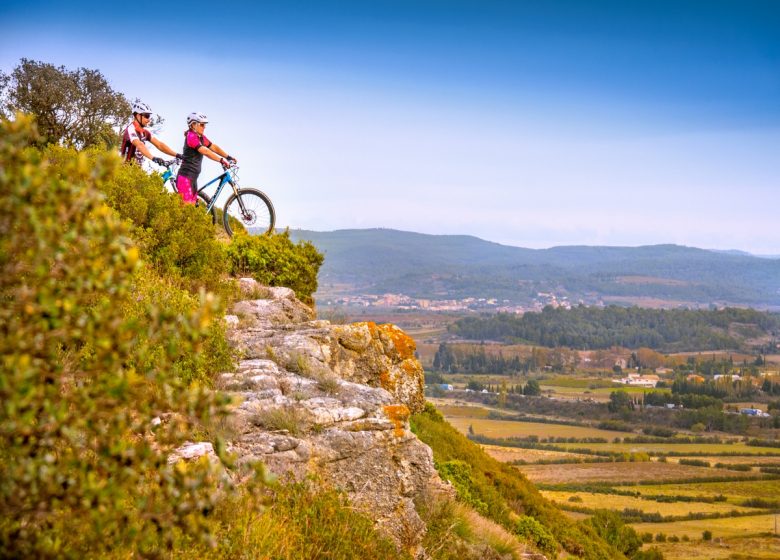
259, 214
205, 200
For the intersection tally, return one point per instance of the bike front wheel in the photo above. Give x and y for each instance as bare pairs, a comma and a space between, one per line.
251, 208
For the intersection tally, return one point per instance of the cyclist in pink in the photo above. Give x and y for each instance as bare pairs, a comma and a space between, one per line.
136, 135
196, 145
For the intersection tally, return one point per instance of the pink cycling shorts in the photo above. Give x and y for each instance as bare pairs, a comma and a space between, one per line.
186, 187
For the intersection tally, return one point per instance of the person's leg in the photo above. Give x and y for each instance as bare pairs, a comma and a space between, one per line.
187, 189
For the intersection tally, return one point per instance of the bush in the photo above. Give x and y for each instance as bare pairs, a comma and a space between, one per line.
459, 474
706, 536
275, 260
86, 367
611, 527
177, 239
650, 554
533, 531
694, 462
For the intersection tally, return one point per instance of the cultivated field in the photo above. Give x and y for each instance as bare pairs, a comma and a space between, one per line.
723, 527
620, 472
510, 454
509, 428
734, 490
735, 548
742, 508
610, 501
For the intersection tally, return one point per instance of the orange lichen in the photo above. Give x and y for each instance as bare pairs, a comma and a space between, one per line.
402, 342
398, 415
386, 381
411, 367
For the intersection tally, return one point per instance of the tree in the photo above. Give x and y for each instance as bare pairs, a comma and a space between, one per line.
76, 108
611, 527
619, 401
532, 388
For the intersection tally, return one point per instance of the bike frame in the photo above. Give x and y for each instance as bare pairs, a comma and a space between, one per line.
224, 179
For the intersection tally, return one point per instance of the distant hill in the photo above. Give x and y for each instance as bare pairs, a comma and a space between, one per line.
458, 266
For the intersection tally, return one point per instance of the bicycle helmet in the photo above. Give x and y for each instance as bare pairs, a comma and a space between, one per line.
141, 107
197, 117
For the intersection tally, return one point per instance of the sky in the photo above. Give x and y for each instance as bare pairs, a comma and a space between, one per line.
529, 123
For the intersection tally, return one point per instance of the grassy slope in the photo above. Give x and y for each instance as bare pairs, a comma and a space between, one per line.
506, 492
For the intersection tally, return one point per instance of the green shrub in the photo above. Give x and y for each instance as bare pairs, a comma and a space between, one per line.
533, 531
459, 474
610, 526
650, 554
83, 469
177, 239
275, 260
706, 536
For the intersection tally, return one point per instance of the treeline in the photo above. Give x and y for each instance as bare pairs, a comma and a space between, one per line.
474, 358
631, 327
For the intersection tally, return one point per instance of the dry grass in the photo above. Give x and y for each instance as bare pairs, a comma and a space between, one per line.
286, 418
662, 448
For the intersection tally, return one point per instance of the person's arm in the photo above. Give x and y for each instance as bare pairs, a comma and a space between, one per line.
211, 154
163, 147
141, 147
214, 148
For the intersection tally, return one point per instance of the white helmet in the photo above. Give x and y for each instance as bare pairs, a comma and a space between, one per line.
141, 107
197, 117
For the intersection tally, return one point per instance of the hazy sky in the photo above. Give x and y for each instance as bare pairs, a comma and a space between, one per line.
531, 123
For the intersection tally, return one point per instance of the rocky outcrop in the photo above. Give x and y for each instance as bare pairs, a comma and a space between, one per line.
331, 401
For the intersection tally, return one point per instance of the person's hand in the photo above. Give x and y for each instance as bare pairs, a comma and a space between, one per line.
224, 163
158, 160
179, 157
232, 160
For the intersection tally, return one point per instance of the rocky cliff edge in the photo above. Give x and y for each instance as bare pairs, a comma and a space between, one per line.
332, 401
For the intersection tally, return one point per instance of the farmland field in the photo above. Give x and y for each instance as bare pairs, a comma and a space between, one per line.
607, 501
509, 428
738, 490
662, 448
723, 527
734, 548
509, 454
620, 472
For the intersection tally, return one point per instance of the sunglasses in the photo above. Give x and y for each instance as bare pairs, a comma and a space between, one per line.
146, 115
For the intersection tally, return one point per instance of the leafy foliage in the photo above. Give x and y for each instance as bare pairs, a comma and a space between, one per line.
275, 260
611, 527
87, 363
73, 107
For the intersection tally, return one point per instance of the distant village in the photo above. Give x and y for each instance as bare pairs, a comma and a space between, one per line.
402, 301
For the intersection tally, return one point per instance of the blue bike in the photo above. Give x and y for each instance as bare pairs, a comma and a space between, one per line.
250, 207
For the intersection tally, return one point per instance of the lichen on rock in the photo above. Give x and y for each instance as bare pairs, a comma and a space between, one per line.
331, 401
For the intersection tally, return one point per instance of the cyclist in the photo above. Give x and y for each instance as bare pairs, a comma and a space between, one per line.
196, 145
135, 136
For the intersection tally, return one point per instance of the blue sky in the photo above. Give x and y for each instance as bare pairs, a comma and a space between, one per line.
528, 123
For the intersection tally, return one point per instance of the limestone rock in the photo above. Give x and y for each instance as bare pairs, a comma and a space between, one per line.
331, 401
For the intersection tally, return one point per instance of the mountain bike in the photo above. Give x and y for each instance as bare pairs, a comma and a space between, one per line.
248, 206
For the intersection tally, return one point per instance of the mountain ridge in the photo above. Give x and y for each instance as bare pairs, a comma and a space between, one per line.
423, 265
